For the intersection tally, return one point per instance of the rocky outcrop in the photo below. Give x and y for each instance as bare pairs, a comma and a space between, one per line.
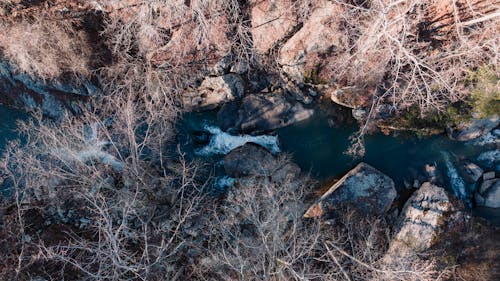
470, 172
488, 194
264, 112
254, 160
189, 42
473, 129
490, 159
271, 21
53, 98
214, 92
429, 212
363, 188
317, 38
351, 97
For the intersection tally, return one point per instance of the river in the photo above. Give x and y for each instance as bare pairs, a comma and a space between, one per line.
320, 149
8, 120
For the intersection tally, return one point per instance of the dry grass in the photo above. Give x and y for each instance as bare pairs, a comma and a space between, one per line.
45, 49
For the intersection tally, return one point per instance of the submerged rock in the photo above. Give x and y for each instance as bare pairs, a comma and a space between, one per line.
470, 172
254, 160
433, 174
473, 129
429, 212
364, 188
200, 137
488, 195
214, 92
490, 158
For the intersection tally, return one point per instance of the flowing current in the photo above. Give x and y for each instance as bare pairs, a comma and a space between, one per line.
319, 148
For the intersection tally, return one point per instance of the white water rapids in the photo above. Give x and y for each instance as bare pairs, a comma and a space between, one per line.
222, 142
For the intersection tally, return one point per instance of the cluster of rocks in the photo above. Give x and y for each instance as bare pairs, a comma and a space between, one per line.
488, 193
241, 111
275, 25
425, 218
486, 185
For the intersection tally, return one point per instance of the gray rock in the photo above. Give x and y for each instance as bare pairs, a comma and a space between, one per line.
470, 172
473, 129
266, 112
249, 160
254, 160
364, 188
429, 212
214, 92
488, 176
488, 194
351, 97
262, 113
222, 66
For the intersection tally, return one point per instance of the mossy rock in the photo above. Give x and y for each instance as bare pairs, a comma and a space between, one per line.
485, 95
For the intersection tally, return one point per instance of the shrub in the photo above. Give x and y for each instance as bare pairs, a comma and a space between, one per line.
485, 94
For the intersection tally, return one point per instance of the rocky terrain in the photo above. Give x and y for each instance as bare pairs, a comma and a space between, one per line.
100, 188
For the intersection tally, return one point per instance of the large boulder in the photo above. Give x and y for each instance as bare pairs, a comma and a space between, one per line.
214, 92
254, 160
351, 97
428, 213
318, 37
363, 188
488, 194
249, 160
266, 112
272, 20
473, 129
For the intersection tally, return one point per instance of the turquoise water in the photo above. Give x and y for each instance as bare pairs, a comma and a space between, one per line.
321, 150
